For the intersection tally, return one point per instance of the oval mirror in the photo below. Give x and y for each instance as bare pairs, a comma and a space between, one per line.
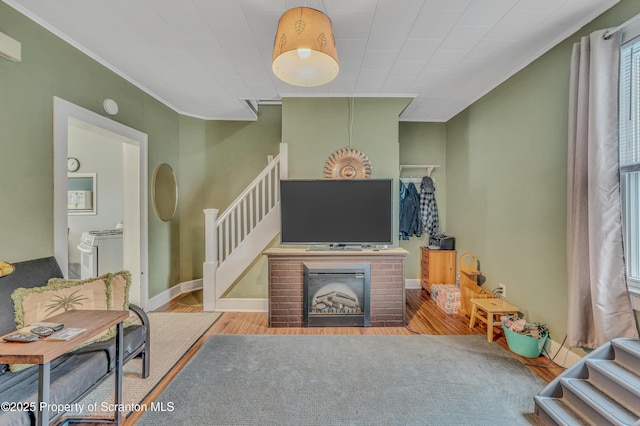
164, 192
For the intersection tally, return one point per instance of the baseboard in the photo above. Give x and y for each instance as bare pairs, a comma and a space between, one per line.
177, 290
412, 283
565, 358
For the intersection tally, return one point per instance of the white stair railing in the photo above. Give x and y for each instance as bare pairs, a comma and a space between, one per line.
238, 236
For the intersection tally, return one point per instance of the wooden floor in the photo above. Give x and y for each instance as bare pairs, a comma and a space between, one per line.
423, 317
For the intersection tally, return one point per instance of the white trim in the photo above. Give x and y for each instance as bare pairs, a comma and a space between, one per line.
635, 298
412, 283
565, 358
630, 30
65, 112
171, 293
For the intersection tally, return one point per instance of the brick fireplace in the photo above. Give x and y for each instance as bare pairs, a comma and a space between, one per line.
286, 283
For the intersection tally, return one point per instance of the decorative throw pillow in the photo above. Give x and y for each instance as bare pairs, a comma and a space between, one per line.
38, 303
118, 289
59, 295
117, 294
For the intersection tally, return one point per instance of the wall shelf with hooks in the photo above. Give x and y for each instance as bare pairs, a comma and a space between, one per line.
428, 167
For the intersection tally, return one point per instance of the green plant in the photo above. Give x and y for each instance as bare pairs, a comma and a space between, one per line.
67, 302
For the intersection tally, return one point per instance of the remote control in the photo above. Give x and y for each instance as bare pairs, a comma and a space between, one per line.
21, 338
42, 331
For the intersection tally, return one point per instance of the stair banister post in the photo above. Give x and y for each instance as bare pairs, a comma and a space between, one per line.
211, 260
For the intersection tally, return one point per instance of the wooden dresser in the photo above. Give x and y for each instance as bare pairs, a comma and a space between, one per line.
437, 267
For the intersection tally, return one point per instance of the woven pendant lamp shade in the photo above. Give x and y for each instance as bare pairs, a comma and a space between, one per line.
304, 51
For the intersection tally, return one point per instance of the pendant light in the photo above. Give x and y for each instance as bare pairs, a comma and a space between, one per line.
304, 51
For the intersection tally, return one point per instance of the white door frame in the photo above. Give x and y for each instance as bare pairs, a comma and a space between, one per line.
63, 112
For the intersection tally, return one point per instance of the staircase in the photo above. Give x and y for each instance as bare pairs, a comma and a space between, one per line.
234, 240
601, 389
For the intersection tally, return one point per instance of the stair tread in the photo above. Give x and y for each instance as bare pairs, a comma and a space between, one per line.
630, 345
617, 372
600, 402
559, 411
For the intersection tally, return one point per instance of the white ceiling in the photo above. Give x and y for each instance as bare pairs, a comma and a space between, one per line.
206, 58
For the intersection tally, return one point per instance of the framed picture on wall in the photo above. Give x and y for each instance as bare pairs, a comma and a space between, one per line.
81, 194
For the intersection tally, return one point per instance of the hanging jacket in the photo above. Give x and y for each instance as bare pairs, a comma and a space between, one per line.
410, 223
428, 207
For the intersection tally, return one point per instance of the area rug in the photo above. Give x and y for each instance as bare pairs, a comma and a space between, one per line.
348, 380
172, 335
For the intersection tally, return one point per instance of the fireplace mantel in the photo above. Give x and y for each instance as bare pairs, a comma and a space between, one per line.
286, 276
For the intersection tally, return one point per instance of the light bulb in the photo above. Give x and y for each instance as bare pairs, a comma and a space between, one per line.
304, 53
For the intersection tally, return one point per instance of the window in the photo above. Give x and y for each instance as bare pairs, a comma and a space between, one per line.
630, 158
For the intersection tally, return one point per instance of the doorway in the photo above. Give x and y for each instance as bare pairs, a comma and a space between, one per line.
133, 146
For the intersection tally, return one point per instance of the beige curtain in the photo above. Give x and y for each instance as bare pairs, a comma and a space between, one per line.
599, 306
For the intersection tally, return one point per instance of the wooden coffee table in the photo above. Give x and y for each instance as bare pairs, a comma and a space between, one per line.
43, 351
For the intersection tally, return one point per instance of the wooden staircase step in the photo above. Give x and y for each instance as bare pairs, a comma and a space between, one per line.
613, 379
554, 411
627, 353
598, 407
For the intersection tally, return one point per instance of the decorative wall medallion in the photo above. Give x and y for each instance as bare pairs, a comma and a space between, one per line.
347, 163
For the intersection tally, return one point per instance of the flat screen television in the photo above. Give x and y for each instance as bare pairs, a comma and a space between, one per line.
336, 212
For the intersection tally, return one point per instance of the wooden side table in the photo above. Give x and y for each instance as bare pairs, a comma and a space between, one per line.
43, 351
486, 310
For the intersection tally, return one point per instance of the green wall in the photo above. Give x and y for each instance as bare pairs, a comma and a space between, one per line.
500, 190
236, 152
191, 194
313, 128
213, 161
51, 67
506, 180
316, 127
424, 143
218, 159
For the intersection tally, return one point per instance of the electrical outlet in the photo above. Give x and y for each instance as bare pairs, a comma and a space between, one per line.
503, 293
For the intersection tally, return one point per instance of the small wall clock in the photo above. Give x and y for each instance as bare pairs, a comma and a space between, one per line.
73, 164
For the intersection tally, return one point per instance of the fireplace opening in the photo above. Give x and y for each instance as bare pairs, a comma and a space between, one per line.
336, 294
